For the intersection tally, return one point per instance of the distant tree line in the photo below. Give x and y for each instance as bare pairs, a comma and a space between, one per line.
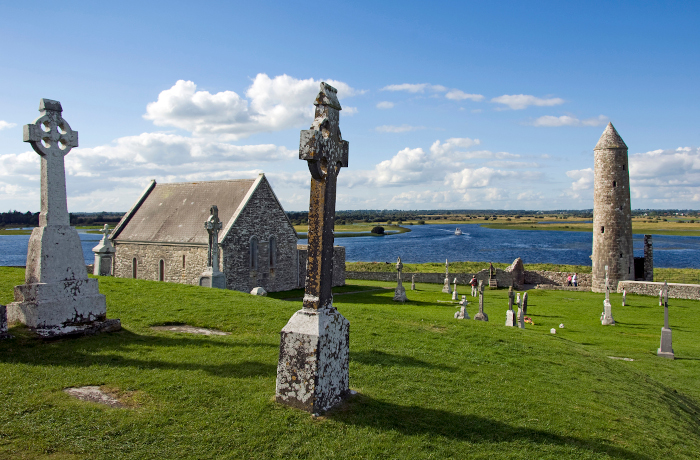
31, 219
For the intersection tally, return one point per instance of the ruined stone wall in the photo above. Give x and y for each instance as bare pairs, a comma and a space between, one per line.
262, 218
503, 277
149, 255
555, 278
339, 273
675, 290
612, 214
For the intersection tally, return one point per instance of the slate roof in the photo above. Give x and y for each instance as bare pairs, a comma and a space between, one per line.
610, 139
175, 213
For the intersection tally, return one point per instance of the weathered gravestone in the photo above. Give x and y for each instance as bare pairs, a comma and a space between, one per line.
57, 298
666, 347
399, 292
661, 296
510, 314
312, 372
455, 296
607, 319
104, 254
624, 297
481, 316
212, 276
3, 322
462, 313
525, 303
446, 285
521, 315
413, 282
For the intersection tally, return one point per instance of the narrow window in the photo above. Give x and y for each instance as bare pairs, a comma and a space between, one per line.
624, 167
183, 261
602, 229
629, 270
134, 268
620, 255
161, 270
273, 253
254, 253
614, 184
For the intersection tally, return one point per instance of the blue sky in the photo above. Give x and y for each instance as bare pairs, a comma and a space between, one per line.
447, 105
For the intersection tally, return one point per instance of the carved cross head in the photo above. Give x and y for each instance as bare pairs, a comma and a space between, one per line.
50, 134
399, 265
322, 146
213, 224
105, 230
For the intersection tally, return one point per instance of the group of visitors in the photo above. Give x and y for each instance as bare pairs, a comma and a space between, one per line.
572, 280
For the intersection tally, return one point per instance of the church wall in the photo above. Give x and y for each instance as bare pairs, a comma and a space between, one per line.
338, 265
262, 218
149, 255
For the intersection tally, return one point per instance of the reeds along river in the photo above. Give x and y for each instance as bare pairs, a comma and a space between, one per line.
435, 243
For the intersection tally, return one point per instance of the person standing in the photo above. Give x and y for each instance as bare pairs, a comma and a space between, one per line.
473, 284
574, 280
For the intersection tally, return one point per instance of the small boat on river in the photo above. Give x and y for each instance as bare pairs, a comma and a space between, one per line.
458, 232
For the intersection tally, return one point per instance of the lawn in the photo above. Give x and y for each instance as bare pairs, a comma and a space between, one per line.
429, 386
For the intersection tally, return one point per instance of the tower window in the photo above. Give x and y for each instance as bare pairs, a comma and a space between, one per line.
624, 167
614, 183
620, 255
602, 229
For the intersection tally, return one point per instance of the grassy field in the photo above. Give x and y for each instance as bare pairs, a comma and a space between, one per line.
429, 386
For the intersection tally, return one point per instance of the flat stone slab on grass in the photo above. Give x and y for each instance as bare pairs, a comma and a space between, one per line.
189, 329
94, 394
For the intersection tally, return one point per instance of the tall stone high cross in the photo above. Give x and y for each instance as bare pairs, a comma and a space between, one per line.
607, 318
57, 297
312, 371
212, 276
665, 349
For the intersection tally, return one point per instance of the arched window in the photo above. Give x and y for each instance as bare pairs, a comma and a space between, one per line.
161, 270
602, 229
253, 253
273, 253
183, 261
134, 268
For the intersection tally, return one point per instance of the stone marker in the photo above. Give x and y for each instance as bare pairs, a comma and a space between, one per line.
661, 294
312, 372
104, 254
521, 315
510, 314
624, 297
399, 292
3, 322
607, 319
413, 282
481, 316
212, 277
666, 348
455, 296
259, 291
446, 286
462, 313
525, 303
57, 298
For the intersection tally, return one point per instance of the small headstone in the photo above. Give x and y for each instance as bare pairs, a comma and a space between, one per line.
462, 313
607, 318
399, 292
624, 297
212, 277
3, 322
553, 331
258, 291
666, 347
661, 301
481, 316
510, 314
521, 315
413, 282
446, 284
455, 296
525, 303
104, 254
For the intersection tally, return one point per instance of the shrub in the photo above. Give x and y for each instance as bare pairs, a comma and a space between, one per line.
378, 230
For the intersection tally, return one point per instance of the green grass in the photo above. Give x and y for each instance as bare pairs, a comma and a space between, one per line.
429, 386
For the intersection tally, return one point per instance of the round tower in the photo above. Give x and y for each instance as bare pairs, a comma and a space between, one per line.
612, 212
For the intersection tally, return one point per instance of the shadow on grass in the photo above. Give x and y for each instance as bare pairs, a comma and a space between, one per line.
376, 357
113, 350
364, 411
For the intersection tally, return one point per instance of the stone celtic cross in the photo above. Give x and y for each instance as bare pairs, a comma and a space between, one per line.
399, 268
213, 225
326, 152
105, 232
52, 138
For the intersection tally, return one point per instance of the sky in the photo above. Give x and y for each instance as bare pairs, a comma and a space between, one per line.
446, 105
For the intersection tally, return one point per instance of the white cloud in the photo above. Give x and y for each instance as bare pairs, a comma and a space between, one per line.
397, 129
583, 179
522, 101
475, 178
271, 104
457, 95
452, 144
6, 125
567, 120
415, 88
385, 105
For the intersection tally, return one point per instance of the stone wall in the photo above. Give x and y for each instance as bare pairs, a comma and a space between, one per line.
182, 263
675, 290
339, 273
555, 278
262, 218
503, 277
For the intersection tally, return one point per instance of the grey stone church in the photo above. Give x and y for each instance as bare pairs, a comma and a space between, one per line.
163, 237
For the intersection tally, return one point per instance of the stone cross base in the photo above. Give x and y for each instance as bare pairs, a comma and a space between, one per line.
481, 316
66, 307
103, 264
510, 318
462, 313
400, 294
521, 318
666, 348
312, 373
413, 285
446, 288
607, 319
3, 323
212, 279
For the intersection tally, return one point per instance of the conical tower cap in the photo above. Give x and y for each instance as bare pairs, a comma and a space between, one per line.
610, 139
